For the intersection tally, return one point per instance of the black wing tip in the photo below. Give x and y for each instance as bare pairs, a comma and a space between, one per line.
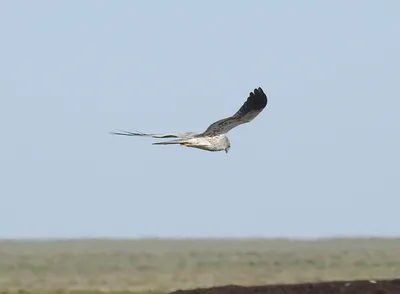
126, 133
258, 99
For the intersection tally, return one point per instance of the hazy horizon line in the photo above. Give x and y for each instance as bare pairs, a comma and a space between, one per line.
154, 238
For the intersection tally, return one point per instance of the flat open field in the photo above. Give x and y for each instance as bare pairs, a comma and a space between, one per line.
167, 265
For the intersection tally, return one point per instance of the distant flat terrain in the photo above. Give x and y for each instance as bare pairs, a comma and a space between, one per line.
166, 265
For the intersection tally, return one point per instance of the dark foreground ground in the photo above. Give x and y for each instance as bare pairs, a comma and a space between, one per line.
348, 287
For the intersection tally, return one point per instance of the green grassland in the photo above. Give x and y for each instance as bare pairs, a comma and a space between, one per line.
162, 265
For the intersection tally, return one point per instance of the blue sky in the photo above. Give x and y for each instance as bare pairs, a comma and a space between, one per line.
321, 160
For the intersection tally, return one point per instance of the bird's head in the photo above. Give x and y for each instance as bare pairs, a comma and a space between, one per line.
228, 145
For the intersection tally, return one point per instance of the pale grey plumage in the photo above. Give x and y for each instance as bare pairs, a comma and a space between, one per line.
214, 137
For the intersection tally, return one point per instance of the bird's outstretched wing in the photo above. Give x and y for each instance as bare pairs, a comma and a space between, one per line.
254, 104
178, 135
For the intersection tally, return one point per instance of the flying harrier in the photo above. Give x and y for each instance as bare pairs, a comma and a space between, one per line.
214, 137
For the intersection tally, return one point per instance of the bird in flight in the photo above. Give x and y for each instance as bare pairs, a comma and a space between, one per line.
214, 137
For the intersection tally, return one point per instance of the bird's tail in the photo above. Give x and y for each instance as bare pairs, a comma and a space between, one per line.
178, 141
